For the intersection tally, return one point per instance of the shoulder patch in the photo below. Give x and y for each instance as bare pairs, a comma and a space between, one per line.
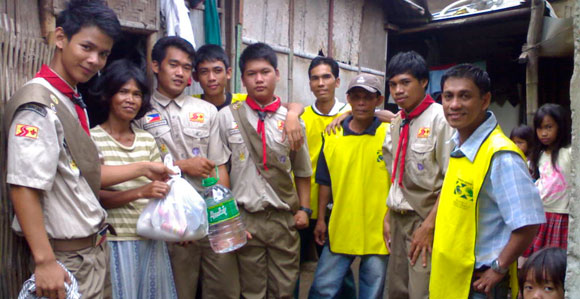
26, 131
38, 109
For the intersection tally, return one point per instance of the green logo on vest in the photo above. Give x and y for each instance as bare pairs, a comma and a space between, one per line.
463, 190
379, 156
222, 212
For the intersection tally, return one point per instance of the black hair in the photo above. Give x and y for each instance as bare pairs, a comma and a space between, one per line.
258, 51
407, 63
563, 138
334, 69
468, 71
525, 133
160, 48
547, 264
115, 75
86, 13
210, 52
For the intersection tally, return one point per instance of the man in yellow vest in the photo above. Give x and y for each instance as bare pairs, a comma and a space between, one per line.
352, 173
416, 151
489, 209
323, 74
212, 70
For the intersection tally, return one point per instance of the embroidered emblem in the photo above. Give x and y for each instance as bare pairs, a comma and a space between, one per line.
26, 131
152, 117
164, 148
424, 132
280, 125
236, 105
420, 166
379, 156
242, 157
282, 159
463, 190
197, 117
54, 99
73, 165
196, 151
360, 80
154, 124
53, 107
234, 125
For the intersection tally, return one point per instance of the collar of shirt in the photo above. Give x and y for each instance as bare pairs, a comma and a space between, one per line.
334, 111
371, 130
164, 101
471, 146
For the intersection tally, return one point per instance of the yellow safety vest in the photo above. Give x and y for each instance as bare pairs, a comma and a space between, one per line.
453, 258
236, 97
360, 184
315, 124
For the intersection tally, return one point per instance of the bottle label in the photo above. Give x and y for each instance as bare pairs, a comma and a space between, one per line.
222, 212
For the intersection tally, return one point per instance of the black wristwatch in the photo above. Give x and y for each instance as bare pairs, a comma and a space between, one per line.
307, 210
497, 268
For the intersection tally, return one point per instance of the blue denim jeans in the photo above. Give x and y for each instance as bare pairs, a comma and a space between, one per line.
333, 267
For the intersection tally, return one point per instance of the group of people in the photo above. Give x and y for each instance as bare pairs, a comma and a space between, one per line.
461, 206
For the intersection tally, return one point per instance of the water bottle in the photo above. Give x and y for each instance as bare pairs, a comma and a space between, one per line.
226, 230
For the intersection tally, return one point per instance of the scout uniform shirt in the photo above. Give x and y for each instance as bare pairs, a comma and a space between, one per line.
316, 122
250, 189
185, 127
38, 158
425, 162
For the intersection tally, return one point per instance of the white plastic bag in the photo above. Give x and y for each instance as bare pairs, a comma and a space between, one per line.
180, 216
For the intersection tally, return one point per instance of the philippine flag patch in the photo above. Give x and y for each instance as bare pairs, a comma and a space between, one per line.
153, 117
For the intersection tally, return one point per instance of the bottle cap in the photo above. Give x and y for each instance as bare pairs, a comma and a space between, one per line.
208, 182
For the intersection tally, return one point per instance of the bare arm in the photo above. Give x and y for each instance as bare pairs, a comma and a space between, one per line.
385, 115
324, 197
112, 175
224, 176
303, 189
422, 242
114, 199
519, 240
292, 128
50, 277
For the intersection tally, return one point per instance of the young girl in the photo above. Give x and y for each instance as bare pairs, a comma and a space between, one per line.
550, 165
542, 276
140, 268
523, 137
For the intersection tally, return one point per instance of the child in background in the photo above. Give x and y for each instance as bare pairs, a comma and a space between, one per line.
523, 137
550, 165
542, 276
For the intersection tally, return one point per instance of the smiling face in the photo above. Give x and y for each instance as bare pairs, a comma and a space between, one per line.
125, 104
81, 56
173, 73
363, 103
323, 83
407, 91
463, 105
259, 78
213, 77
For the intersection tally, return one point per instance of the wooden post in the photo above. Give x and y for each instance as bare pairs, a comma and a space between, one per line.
47, 20
530, 55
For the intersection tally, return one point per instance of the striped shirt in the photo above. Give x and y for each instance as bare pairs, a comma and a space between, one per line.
143, 149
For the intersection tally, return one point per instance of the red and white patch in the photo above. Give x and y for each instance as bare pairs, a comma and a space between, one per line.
197, 117
280, 125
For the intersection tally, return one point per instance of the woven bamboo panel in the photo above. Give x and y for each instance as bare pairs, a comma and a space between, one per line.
137, 14
20, 57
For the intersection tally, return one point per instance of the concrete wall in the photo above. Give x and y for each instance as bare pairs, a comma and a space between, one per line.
573, 270
358, 39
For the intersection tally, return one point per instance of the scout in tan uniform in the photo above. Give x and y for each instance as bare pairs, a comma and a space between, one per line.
187, 128
262, 183
52, 165
416, 152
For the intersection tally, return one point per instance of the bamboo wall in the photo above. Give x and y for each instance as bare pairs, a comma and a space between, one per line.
22, 52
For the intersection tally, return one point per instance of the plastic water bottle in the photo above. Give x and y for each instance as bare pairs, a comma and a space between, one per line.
226, 230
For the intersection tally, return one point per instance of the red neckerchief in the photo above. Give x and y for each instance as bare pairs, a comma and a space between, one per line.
404, 136
262, 112
57, 82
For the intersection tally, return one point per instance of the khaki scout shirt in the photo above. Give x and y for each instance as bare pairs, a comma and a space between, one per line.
250, 189
185, 127
426, 160
38, 158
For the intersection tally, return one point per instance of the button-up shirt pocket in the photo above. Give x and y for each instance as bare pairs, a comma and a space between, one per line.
239, 149
197, 140
420, 159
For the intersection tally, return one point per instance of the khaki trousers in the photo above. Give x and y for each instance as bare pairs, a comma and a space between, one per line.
404, 280
218, 272
269, 262
90, 266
